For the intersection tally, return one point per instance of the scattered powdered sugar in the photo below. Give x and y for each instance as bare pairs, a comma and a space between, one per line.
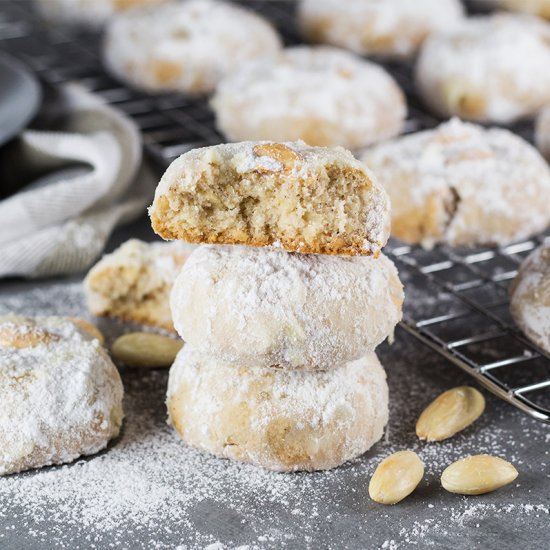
148, 490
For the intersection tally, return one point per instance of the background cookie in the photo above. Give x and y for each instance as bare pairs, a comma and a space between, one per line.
463, 185
185, 46
494, 68
276, 419
530, 297
542, 132
324, 96
390, 28
299, 198
88, 12
61, 394
535, 7
133, 283
264, 307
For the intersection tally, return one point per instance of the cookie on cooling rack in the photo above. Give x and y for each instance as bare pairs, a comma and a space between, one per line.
61, 393
314, 200
542, 132
534, 7
492, 68
389, 28
133, 283
185, 46
268, 308
276, 419
323, 95
530, 297
463, 185
92, 13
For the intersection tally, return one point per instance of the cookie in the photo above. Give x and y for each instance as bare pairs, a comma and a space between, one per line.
90, 13
493, 68
530, 297
542, 132
534, 7
388, 28
270, 308
61, 393
133, 283
185, 46
279, 420
463, 185
299, 198
324, 96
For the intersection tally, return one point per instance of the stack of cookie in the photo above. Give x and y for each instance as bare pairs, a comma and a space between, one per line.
279, 368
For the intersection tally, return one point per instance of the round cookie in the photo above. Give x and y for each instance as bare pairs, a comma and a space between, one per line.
185, 46
61, 393
299, 198
542, 132
276, 419
324, 96
134, 282
530, 297
463, 185
494, 68
389, 28
534, 7
268, 308
91, 13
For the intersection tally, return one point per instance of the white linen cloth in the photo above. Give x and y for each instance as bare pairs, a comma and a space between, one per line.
88, 183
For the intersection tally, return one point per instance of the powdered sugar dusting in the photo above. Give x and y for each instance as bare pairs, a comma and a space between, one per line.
308, 311
61, 394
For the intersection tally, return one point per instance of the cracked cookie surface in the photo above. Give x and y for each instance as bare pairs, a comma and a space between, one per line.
463, 185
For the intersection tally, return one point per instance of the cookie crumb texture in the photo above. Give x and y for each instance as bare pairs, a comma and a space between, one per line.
271, 308
299, 198
279, 420
133, 283
463, 185
61, 395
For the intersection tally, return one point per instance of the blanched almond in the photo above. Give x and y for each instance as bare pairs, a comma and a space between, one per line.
478, 474
450, 413
396, 477
143, 349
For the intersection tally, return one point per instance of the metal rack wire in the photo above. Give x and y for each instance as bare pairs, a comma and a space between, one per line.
458, 300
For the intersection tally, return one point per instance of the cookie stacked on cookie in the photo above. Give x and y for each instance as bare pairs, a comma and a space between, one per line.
278, 368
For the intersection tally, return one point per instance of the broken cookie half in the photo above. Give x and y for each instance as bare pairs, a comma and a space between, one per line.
290, 195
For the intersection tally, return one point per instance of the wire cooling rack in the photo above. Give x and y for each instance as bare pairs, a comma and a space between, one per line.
457, 300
